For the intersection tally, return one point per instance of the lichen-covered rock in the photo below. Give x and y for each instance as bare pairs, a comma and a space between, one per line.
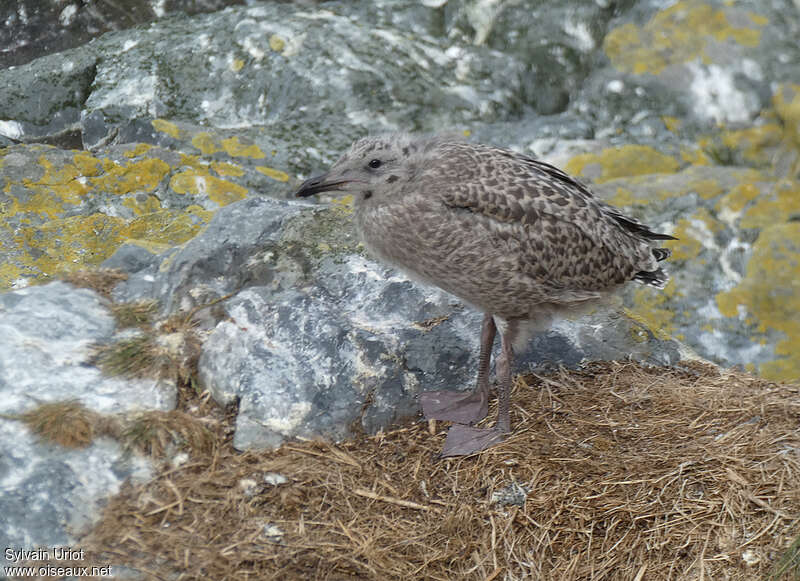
239, 248
733, 257
261, 65
48, 494
64, 209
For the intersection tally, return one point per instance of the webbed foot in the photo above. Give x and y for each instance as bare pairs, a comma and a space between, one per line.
454, 406
465, 440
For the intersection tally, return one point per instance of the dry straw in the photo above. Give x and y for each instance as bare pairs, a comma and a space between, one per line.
631, 473
100, 280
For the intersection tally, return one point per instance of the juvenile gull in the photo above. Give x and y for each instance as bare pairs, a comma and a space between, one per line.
513, 236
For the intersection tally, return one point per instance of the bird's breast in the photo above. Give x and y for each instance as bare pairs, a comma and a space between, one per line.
437, 246
407, 235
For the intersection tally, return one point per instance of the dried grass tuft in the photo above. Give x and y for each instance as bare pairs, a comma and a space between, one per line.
137, 356
168, 349
135, 314
100, 280
185, 340
157, 434
67, 423
631, 473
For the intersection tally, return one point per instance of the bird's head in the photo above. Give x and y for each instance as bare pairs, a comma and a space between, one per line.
372, 168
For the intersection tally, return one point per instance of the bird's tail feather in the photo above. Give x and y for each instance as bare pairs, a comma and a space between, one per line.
657, 278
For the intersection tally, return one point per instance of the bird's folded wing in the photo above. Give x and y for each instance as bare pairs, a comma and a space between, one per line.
557, 222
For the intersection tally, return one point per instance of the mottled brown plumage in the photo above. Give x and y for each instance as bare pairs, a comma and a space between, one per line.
513, 236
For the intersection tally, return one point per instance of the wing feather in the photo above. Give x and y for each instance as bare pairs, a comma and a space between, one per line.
559, 231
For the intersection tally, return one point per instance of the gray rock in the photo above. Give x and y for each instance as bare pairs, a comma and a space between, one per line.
236, 249
307, 362
512, 495
164, 71
49, 494
43, 100
52, 329
33, 28
456, 64
130, 258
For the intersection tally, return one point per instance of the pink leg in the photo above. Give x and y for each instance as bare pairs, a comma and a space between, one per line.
460, 407
464, 440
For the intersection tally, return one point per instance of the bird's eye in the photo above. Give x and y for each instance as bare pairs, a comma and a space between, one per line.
375, 163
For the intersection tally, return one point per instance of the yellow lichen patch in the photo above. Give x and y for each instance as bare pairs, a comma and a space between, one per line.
712, 224
234, 148
200, 212
189, 181
224, 192
87, 164
735, 201
164, 227
192, 161
276, 43
201, 182
753, 141
152, 246
54, 176
672, 124
781, 204
227, 169
787, 104
693, 233
625, 161
167, 127
237, 65
44, 202
9, 274
61, 245
142, 204
206, 143
137, 176
706, 188
695, 156
275, 174
139, 150
623, 197
47, 197
770, 294
345, 202
678, 34
651, 310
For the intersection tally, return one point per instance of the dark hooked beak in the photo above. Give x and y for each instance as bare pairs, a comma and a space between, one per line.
319, 184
